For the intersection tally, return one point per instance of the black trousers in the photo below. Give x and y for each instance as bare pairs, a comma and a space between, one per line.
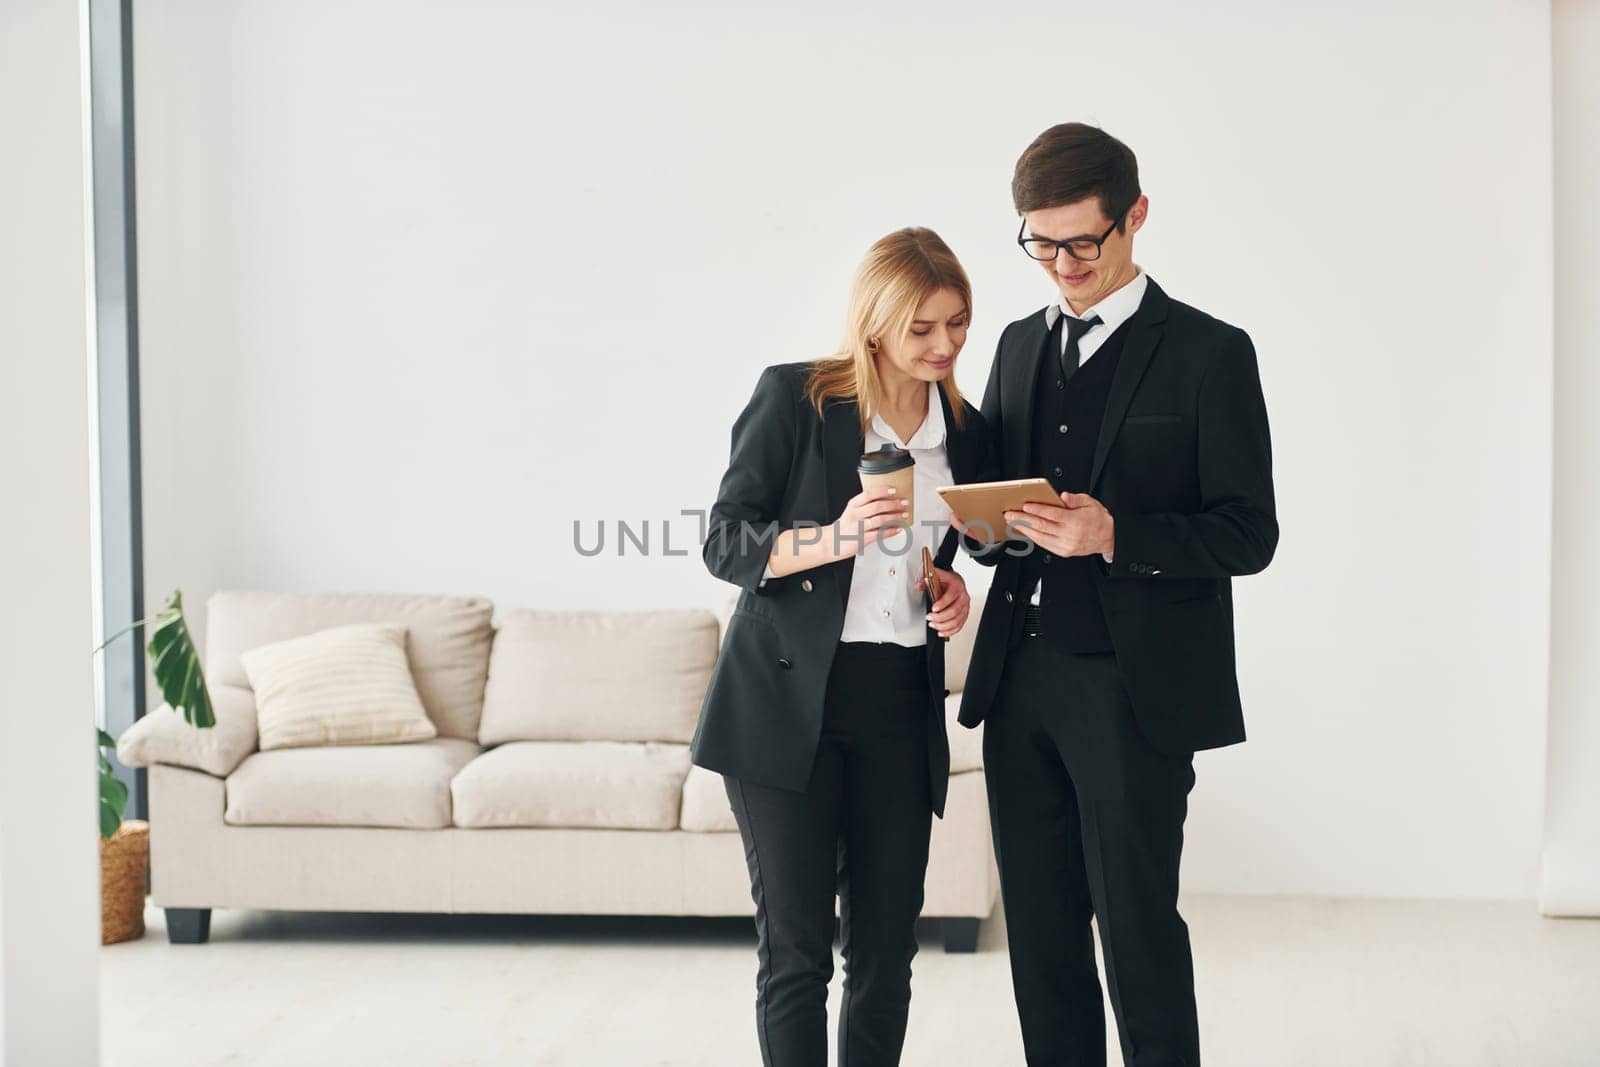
1088, 822
860, 830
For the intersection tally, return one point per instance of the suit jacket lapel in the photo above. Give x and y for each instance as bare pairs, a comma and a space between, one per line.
842, 445
957, 445
961, 451
1030, 346
1144, 334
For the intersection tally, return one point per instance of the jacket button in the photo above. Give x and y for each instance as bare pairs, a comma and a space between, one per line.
947, 692
1010, 598
785, 664
806, 585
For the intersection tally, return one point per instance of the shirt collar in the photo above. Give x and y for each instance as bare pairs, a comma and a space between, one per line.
929, 435
1114, 310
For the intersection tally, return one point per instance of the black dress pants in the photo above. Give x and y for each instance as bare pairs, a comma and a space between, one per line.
1088, 822
860, 830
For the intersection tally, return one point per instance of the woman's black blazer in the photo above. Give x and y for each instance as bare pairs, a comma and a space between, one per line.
762, 714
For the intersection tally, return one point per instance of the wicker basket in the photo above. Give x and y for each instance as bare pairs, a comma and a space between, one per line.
124, 867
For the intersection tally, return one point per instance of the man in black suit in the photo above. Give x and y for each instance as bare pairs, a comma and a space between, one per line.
1105, 657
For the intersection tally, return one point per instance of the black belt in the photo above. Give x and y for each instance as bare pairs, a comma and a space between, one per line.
1032, 623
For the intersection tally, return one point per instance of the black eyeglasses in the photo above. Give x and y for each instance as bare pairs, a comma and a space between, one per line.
1084, 249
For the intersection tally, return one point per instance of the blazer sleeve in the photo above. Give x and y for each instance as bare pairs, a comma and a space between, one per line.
1235, 532
743, 524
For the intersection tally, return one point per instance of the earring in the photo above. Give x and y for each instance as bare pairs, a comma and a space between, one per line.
872, 344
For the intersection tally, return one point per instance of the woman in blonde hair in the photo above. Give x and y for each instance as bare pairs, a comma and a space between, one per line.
825, 714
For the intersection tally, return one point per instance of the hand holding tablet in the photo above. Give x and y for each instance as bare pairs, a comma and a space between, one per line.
982, 505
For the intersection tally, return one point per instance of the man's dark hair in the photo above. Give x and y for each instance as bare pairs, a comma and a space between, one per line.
1069, 162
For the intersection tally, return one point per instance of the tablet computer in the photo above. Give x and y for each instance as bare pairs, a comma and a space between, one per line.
982, 505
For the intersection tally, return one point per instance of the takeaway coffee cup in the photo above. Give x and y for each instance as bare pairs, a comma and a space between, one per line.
891, 466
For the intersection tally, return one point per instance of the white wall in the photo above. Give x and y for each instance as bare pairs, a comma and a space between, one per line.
389, 342
49, 881
1570, 883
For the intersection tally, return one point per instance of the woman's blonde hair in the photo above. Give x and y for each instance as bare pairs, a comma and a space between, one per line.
900, 271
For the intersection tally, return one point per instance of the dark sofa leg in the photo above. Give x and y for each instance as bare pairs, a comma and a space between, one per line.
960, 934
188, 926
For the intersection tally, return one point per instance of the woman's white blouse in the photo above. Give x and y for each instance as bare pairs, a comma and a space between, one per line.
884, 603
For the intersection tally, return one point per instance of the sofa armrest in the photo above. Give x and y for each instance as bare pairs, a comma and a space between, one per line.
163, 737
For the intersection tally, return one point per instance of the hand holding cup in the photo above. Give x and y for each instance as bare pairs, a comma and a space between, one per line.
870, 516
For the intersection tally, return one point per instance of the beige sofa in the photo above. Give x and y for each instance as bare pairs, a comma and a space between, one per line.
560, 781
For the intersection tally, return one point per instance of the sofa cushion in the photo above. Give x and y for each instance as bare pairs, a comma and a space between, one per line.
575, 784
346, 686
705, 803
598, 676
349, 785
447, 641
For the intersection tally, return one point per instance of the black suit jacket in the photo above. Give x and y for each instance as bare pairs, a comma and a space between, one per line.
762, 714
1184, 464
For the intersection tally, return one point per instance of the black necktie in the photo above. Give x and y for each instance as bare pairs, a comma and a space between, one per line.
1071, 356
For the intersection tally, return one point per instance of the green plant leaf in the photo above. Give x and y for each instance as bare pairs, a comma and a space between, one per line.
119, 633
113, 791
176, 665
109, 819
110, 816
106, 740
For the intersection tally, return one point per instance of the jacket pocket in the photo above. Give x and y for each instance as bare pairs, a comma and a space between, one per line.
756, 612
1187, 591
759, 616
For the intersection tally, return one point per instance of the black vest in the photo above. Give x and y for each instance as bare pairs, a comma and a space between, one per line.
1066, 424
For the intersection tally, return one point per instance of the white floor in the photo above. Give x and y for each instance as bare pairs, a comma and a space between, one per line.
1281, 981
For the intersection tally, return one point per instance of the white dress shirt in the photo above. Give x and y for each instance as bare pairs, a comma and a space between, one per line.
1114, 310
884, 604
